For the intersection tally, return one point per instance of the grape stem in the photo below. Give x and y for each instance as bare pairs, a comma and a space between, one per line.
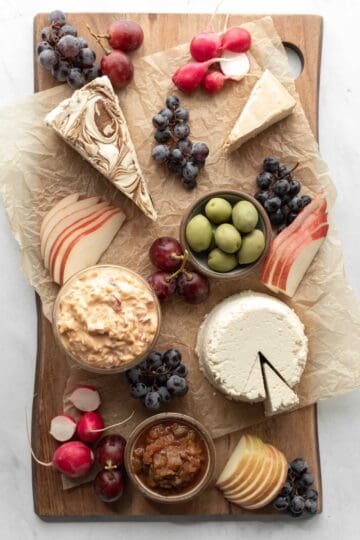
98, 38
184, 258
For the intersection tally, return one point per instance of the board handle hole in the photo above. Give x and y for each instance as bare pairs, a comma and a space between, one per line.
295, 58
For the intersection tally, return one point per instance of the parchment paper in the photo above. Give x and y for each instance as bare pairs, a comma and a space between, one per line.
37, 169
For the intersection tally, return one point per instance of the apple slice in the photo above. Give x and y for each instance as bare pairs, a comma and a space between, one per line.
286, 233
87, 249
66, 239
275, 490
293, 243
258, 487
61, 214
249, 471
69, 199
66, 222
246, 489
300, 260
239, 460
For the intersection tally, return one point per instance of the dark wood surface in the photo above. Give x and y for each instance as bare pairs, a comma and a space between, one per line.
294, 433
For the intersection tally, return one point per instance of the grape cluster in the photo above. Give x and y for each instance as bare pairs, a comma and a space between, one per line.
109, 483
298, 495
67, 56
158, 378
279, 193
181, 156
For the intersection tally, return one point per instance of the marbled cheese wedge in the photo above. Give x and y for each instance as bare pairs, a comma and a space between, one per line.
92, 122
234, 334
268, 103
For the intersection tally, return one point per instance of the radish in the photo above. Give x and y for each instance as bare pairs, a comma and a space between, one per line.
73, 459
85, 398
62, 427
235, 65
205, 45
236, 40
188, 77
213, 81
90, 426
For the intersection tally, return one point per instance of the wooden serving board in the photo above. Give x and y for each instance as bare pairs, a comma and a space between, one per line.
294, 433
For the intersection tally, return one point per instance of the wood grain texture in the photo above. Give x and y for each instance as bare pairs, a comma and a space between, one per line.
294, 433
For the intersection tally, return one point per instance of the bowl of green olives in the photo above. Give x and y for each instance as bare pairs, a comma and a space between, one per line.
226, 233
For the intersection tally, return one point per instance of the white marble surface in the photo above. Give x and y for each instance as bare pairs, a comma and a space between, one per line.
339, 424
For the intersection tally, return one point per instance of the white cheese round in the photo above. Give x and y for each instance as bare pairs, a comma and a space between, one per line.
234, 334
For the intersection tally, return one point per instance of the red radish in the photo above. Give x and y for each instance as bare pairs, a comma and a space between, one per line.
188, 77
73, 459
235, 66
90, 426
205, 45
85, 398
236, 40
62, 427
213, 81
125, 35
118, 67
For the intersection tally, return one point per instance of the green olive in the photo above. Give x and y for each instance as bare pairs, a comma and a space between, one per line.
220, 261
227, 238
252, 246
199, 233
245, 216
218, 210
213, 243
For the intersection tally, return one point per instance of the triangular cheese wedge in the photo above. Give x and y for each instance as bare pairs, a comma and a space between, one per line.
279, 396
268, 103
92, 122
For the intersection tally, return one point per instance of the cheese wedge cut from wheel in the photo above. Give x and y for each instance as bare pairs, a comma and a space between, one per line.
268, 103
66, 201
241, 461
67, 222
63, 213
279, 396
274, 488
91, 121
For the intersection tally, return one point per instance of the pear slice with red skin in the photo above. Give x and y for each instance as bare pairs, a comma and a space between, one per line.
274, 492
88, 247
66, 222
293, 245
298, 263
273, 253
263, 474
61, 214
59, 244
240, 462
63, 203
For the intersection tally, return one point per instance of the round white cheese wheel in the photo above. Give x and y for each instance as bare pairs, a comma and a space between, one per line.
237, 331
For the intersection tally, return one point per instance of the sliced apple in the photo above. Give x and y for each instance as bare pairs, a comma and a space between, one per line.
249, 471
265, 476
292, 245
299, 262
87, 249
280, 238
61, 214
66, 222
62, 243
239, 461
277, 487
66, 201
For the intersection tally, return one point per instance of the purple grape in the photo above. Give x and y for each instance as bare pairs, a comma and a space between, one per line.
42, 46
69, 46
76, 78
83, 43
61, 71
69, 30
48, 58
92, 73
85, 58
57, 17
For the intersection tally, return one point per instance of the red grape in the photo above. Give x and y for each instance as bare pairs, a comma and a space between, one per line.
162, 253
109, 484
125, 35
193, 287
163, 287
118, 67
110, 450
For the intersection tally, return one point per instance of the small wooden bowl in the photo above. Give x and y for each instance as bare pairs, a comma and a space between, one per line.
194, 490
199, 260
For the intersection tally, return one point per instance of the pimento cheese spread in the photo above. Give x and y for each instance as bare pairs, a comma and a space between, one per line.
107, 317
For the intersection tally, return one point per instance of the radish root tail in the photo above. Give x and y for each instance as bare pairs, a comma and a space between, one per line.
113, 425
45, 464
217, 7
